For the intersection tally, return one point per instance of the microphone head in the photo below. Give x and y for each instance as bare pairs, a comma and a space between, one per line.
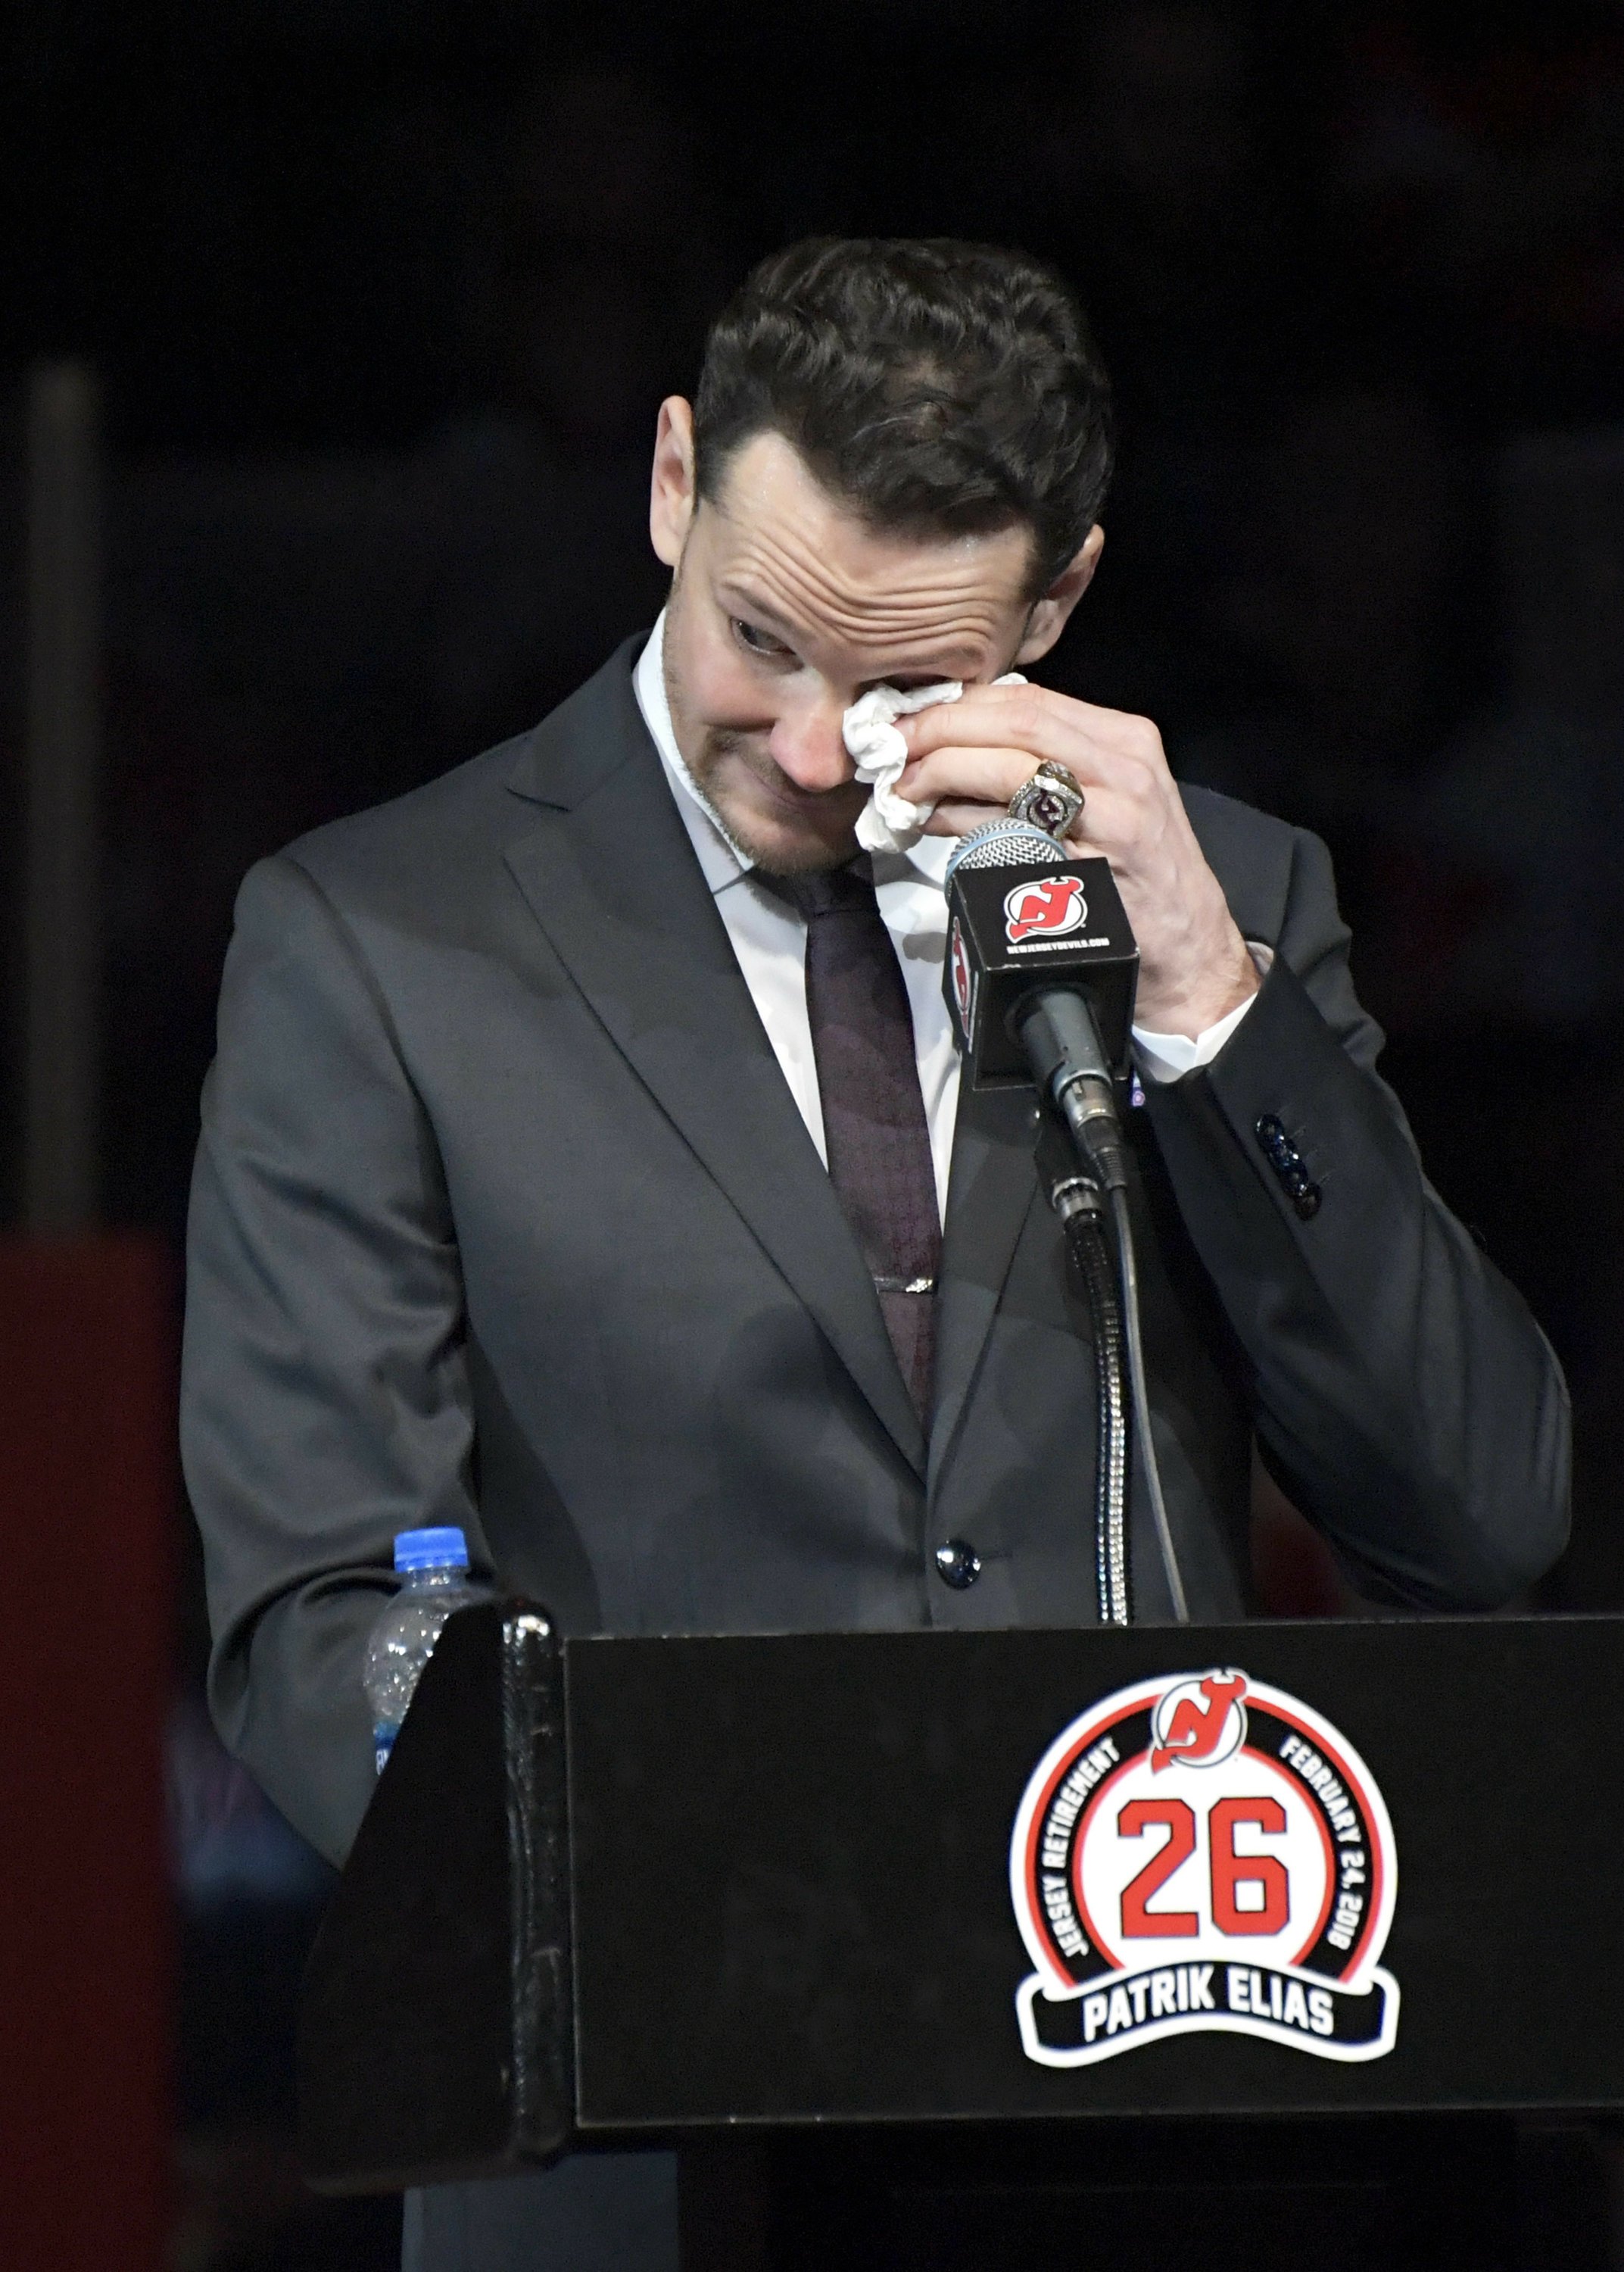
1005, 843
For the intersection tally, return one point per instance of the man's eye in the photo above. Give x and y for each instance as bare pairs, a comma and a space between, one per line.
755, 642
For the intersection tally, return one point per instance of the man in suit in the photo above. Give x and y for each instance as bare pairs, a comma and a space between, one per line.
584, 1161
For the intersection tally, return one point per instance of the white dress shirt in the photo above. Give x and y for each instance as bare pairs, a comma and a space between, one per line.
770, 941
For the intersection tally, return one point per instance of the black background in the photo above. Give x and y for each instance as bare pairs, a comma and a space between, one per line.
382, 295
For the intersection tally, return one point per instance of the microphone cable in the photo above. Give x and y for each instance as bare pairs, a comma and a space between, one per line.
1075, 1198
1056, 1028
1128, 1268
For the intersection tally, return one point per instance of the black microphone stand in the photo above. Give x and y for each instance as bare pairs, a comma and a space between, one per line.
1082, 1178
1075, 1198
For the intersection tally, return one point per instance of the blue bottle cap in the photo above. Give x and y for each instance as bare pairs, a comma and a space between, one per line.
444, 1549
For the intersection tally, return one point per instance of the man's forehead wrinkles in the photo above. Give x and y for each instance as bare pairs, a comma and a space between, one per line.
942, 583
959, 606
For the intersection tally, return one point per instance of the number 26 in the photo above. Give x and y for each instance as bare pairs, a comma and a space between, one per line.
1229, 1870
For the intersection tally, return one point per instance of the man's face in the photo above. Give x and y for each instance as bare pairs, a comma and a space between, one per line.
783, 610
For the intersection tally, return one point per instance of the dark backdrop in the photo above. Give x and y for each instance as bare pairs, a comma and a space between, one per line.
384, 294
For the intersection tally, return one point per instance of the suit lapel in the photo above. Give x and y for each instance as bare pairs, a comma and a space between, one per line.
610, 875
992, 1190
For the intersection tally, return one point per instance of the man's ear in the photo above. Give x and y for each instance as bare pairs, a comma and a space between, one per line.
671, 485
1047, 619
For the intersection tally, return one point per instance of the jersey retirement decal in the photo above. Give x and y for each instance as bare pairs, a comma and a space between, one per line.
1198, 1853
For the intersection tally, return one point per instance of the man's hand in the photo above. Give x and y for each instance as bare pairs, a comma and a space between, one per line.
970, 757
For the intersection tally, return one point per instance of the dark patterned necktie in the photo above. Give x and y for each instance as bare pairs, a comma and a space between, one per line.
875, 1132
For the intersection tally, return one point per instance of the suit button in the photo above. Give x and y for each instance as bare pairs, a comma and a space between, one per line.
1288, 1163
957, 1563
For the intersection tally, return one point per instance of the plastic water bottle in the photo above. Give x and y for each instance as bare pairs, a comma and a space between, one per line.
433, 1564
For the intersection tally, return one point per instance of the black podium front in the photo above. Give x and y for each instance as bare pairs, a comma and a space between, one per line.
969, 1949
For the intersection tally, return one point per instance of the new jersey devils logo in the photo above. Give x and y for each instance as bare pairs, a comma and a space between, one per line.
963, 979
1200, 1723
1054, 905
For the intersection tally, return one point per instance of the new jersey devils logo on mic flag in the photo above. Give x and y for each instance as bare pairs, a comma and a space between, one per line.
963, 978
1054, 904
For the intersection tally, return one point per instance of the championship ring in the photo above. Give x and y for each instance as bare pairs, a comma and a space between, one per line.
1051, 800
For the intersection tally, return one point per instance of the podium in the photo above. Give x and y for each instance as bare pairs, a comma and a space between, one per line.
940, 1950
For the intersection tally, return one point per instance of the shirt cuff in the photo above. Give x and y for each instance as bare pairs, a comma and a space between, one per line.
1169, 1057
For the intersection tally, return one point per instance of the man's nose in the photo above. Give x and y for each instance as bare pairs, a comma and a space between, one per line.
806, 744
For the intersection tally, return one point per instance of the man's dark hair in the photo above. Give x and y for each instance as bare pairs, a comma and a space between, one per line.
939, 388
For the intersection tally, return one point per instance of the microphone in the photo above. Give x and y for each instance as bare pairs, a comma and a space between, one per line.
1041, 967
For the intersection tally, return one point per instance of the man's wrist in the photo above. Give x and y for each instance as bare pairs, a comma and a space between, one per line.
1217, 996
1165, 1057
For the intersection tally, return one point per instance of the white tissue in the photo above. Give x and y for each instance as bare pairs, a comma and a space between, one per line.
889, 822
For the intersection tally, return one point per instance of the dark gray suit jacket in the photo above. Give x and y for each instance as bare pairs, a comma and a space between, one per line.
505, 1216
